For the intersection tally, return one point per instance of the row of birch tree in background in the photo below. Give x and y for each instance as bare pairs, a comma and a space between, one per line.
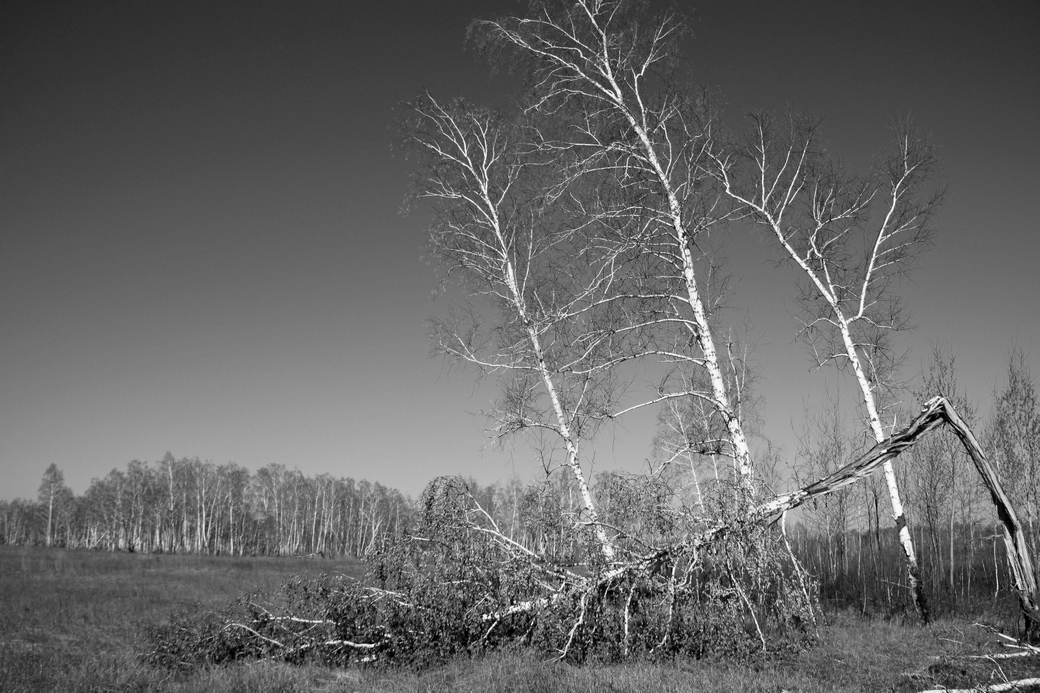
187, 505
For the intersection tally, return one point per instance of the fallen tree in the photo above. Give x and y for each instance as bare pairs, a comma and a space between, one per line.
457, 584
980, 671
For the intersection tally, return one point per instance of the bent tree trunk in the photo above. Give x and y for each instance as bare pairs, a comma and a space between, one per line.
936, 412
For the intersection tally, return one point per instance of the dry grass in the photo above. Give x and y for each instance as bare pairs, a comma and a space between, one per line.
72, 621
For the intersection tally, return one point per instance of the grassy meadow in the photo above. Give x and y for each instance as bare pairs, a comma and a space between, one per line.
74, 621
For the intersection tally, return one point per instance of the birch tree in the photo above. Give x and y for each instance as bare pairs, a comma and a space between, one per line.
938, 469
1014, 438
606, 70
53, 494
851, 237
494, 227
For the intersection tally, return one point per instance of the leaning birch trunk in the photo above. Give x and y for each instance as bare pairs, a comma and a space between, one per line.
704, 337
470, 145
591, 516
516, 295
906, 543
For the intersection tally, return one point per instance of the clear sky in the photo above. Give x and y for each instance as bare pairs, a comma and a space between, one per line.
201, 249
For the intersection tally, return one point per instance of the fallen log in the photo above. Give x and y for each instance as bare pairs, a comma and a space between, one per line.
1020, 685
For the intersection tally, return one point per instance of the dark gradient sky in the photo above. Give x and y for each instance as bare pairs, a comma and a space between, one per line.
201, 249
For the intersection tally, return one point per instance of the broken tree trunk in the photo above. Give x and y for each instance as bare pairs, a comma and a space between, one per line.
936, 412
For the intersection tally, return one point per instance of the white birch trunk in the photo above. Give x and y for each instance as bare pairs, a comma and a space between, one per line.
483, 200
906, 542
705, 341
562, 419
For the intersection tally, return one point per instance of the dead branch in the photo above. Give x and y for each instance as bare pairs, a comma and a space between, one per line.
255, 634
1027, 649
1020, 685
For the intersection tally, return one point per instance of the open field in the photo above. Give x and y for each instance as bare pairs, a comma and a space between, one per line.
73, 621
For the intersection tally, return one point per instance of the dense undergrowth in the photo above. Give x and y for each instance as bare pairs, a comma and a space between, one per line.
75, 621
453, 586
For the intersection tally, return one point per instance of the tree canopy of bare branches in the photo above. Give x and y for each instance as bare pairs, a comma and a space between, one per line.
851, 237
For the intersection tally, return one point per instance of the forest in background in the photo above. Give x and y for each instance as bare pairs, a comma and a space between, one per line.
190, 506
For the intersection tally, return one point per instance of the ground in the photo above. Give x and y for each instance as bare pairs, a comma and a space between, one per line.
74, 621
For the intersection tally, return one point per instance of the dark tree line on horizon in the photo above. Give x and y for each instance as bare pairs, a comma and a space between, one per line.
190, 506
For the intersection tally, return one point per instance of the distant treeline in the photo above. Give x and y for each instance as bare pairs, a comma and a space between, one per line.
964, 566
188, 505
